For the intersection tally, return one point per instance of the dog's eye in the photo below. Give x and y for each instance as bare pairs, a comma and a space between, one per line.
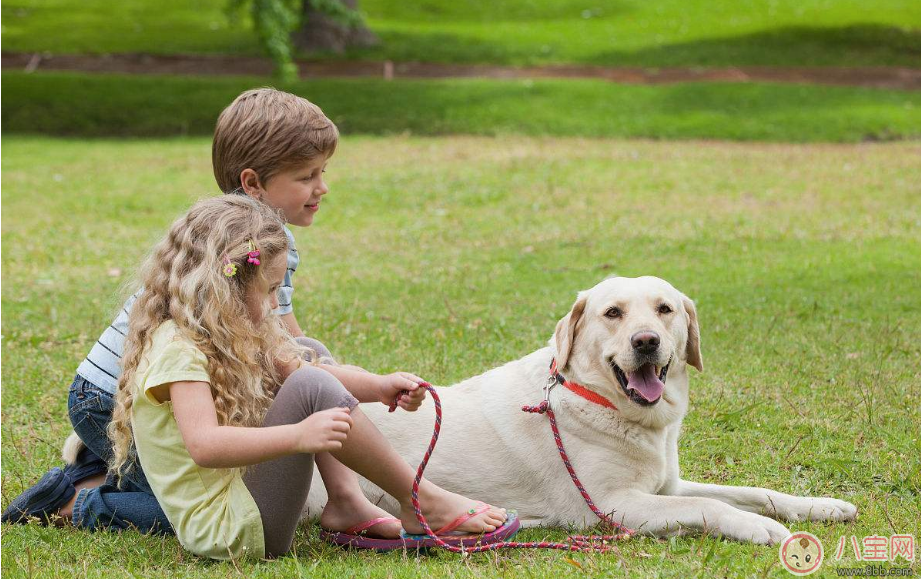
664, 309
614, 312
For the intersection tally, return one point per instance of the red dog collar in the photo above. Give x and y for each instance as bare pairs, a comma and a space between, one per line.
580, 390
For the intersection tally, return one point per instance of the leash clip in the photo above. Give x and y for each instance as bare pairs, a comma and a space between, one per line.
548, 387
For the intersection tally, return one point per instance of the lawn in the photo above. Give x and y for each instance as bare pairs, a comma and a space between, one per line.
448, 256
610, 33
107, 105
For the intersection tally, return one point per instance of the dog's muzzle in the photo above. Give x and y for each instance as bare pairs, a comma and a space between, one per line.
645, 384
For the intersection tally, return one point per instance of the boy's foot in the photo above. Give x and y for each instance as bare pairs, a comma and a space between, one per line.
441, 508
344, 513
42, 499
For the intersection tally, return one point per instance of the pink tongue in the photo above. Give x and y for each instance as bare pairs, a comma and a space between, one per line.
646, 383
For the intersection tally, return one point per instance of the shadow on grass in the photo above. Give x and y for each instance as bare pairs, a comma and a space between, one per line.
113, 105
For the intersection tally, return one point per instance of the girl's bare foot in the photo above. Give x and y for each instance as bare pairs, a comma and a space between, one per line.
65, 515
347, 511
67, 511
441, 507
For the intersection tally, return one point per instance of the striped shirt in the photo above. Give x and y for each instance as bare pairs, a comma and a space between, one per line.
102, 366
286, 291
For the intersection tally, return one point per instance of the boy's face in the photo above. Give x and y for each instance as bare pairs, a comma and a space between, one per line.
297, 191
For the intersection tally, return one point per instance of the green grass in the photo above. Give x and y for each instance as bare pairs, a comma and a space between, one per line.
611, 32
98, 105
448, 256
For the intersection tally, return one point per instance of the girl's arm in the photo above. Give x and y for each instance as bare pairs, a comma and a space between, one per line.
369, 387
364, 386
215, 446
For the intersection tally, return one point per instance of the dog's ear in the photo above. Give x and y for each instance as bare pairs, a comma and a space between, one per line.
693, 349
565, 333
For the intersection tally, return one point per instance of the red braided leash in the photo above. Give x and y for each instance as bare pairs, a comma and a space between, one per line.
581, 543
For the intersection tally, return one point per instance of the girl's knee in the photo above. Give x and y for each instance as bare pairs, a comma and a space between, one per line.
317, 389
318, 350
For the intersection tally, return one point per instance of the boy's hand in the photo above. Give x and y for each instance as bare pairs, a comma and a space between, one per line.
323, 431
392, 384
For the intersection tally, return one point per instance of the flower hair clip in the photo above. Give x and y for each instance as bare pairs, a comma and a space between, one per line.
252, 254
230, 268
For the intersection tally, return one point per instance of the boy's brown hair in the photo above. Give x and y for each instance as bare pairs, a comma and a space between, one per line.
268, 131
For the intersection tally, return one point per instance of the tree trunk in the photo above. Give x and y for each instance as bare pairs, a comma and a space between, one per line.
320, 32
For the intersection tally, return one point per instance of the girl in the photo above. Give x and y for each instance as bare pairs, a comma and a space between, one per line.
227, 417
274, 147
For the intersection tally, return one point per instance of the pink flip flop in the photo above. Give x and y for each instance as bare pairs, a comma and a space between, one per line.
417, 541
356, 532
362, 527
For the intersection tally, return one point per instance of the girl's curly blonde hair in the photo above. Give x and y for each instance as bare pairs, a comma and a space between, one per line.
184, 281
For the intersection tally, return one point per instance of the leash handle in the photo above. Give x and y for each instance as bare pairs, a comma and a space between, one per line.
396, 399
579, 543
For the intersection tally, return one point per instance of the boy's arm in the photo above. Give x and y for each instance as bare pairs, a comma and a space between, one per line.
295, 330
290, 322
213, 446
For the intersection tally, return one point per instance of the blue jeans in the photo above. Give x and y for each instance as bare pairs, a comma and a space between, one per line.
131, 506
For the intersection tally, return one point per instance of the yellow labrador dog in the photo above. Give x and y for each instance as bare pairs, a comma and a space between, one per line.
628, 342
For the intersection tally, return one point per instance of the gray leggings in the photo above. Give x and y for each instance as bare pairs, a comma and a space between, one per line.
320, 351
280, 486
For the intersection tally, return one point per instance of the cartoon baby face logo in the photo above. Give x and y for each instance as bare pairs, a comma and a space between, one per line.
801, 553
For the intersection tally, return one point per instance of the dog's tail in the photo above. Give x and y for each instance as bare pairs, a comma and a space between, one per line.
72, 447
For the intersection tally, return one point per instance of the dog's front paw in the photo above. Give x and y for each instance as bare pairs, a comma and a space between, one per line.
814, 509
750, 527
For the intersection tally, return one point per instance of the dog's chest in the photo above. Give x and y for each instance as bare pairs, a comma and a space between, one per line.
648, 456
617, 453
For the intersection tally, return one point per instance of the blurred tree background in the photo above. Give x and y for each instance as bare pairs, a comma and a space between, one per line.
782, 70
310, 25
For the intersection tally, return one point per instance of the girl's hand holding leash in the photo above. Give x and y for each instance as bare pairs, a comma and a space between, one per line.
404, 385
368, 387
323, 431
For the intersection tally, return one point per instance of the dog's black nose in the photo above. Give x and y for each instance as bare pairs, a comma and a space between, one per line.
645, 342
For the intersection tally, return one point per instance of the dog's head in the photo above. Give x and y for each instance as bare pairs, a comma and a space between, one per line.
631, 340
